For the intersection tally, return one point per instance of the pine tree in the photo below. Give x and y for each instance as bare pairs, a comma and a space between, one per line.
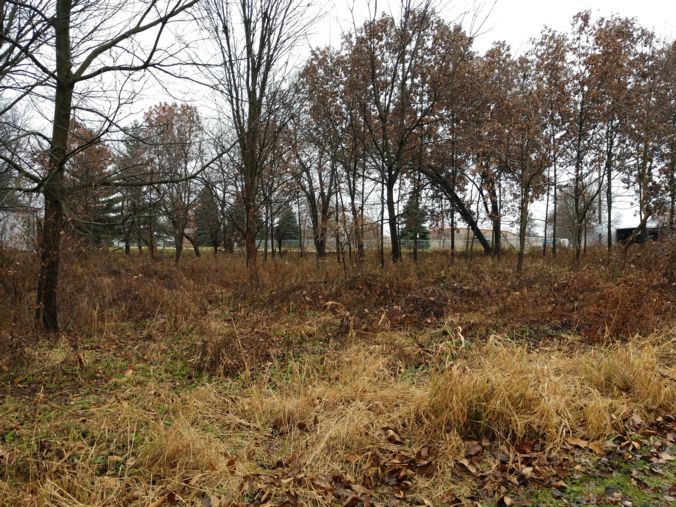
287, 226
207, 222
414, 217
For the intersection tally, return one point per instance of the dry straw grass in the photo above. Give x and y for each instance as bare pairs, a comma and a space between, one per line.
317, 370
327, 414
104, 294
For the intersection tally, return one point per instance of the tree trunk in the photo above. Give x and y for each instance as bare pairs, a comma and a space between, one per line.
139, 236
382, 224
46, 313
452, 231
609, 189
338, 250
320, 245
267, 234
672, 189
356, 226
523, 224
178, 246
300, 231
250, 247
272, 236
392, 220
152, 245
556, 207
196, 246
459, 205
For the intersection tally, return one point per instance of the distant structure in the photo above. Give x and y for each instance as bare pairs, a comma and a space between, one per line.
440, 238
622, 235
599, 235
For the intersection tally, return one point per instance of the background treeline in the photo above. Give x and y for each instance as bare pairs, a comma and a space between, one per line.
401, 126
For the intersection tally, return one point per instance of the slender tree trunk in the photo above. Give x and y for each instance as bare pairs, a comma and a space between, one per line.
454, 176
544, 242
672, 189
556, 208
497, 225
644, 204
585, 238
338, 252
250, 246
300, 231
577, 190
452, 230
392, 220
382, 224
178, 245
139, 236
267, 234
356, 226
273, 238
523, 224
417, 214
362, 224
152, 244
609, 190
251, 168
47, 314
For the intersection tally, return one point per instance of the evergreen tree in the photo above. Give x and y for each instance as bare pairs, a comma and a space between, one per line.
207, 221
92, 208
414, 217
287, 226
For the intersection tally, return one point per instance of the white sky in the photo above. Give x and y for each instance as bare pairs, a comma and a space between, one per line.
514, 21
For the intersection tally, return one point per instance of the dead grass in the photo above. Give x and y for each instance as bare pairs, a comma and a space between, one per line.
198, 390
326, 415
104, 294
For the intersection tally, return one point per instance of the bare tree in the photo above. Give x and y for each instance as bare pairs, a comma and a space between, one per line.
253, 39
82, 42
175, 136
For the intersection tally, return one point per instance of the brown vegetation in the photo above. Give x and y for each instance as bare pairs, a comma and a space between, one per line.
424, 382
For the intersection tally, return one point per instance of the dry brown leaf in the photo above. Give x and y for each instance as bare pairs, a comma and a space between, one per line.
392, 436
577, 442
467, 465
472, 448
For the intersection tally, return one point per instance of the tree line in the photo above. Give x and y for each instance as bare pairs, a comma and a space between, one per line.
403, 124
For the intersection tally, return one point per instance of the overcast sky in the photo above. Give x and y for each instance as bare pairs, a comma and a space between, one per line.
514, 21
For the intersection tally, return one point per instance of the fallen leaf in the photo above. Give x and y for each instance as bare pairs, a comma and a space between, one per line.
527, 472
472, 448
392, 436
577, 442
468, 465
597, 448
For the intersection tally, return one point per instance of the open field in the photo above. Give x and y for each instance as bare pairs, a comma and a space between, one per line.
428, 383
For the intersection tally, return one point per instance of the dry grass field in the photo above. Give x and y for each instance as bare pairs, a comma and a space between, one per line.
432, 383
